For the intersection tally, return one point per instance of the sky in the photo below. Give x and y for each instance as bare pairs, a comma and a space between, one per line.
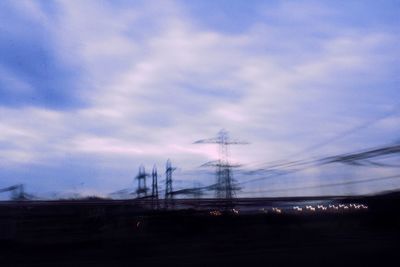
90, 90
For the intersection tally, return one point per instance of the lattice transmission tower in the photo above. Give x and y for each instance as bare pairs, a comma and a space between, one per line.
154, 188
142, 189
168, 180
225, 186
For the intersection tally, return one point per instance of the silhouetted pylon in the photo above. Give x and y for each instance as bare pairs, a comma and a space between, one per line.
168, 182
142, 189
224, 187
154, 187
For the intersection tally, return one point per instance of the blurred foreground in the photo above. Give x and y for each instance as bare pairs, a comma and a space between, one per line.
278, 232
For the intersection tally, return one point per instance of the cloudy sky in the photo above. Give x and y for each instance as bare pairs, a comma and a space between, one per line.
89, 90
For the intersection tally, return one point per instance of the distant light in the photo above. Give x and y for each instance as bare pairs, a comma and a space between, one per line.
215, 213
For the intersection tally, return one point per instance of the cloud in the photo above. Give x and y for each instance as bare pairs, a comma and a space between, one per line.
32, 73
151, 82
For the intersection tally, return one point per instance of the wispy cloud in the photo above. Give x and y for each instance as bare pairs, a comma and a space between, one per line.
148, 83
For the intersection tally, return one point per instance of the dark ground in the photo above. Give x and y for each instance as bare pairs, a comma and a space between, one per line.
124, 233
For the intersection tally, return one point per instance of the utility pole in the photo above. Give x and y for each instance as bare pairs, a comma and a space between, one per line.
141, 177
224, 187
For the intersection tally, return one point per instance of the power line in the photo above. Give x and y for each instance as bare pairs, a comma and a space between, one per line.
278, 174
341, 135
365, 153
358, 157
326, 185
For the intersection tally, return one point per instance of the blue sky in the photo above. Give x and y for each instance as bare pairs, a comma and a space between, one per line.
89, 90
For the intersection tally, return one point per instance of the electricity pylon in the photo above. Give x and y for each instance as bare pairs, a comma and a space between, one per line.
225, 187
168, 179
154, 187
142, 189
17, 192
168, 182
